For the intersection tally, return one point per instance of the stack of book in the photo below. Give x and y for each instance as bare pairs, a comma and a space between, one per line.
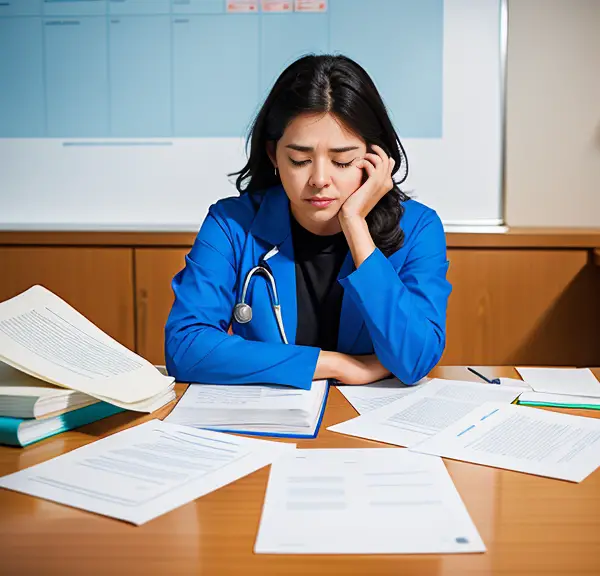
59, 371
31, 410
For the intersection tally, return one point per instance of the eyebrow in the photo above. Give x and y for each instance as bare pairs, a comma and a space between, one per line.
311, 149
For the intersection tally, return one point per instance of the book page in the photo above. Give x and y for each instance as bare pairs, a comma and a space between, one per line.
43, 336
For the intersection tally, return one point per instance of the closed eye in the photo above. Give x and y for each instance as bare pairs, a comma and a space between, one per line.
299, 162
343, 164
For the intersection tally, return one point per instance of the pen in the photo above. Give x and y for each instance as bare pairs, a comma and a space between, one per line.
494, 381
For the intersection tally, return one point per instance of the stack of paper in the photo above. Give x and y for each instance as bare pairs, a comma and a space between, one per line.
23, 396
253, 409
561, 387
363, 501
41, 335
425, 412
145, 471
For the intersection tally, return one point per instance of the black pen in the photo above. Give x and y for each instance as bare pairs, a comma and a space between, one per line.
494, 381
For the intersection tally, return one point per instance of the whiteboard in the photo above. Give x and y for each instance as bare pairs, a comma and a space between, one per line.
129, 115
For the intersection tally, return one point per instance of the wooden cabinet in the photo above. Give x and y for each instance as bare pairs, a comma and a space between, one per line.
154, 270
516, 306
521, 298
98, 282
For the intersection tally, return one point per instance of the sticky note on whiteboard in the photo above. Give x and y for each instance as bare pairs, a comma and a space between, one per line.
311, 5
277, 5
242, 6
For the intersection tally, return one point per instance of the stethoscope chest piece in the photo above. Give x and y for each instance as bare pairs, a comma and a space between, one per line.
242, 313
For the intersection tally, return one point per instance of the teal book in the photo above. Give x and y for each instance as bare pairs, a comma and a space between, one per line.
24, 431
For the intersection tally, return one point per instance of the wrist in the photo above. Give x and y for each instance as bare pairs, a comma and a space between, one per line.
349, 218
330, 365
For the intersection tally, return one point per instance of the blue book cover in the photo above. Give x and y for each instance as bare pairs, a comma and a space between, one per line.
21, 432
312, 434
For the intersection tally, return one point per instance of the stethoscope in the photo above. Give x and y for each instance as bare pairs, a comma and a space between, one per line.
242, 312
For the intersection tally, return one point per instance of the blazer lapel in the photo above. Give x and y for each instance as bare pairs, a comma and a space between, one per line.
351, 320
272, 225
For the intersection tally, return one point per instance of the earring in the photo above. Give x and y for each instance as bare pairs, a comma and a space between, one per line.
275, 171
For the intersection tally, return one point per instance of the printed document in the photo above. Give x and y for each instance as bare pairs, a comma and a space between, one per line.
522, 439
145, 471
422, 414
372, 396
363, 501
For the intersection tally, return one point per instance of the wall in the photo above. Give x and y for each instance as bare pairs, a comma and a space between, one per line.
552, 173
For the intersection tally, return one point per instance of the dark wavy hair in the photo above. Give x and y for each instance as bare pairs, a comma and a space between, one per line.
340, 86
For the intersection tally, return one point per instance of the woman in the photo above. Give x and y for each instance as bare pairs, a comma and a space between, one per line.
358, 269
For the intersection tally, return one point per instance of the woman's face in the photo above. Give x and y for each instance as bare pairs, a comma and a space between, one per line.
315, 158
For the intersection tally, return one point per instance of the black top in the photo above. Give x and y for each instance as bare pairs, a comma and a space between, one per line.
318, 293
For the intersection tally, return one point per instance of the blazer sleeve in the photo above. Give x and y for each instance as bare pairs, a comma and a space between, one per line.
405, 310
198, 347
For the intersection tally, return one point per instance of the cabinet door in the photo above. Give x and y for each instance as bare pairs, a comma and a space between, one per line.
97, 282
523, 307
154, 271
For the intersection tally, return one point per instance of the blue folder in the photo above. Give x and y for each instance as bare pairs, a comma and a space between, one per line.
37, 430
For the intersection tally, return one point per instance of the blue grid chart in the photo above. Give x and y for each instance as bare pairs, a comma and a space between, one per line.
187, 68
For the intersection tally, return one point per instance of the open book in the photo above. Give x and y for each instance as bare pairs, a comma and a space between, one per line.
259, 409
45, 338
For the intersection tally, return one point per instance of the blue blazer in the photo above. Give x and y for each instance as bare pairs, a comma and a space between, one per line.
394, 307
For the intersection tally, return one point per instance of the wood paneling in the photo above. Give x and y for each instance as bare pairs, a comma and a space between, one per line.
98, 282
523, 307
154, 270
530, 525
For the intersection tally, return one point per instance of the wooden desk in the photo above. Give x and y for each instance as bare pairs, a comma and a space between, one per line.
530, 525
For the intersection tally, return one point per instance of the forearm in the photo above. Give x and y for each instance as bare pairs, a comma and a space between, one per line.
407, 331
360, 242
349, 369
210, 356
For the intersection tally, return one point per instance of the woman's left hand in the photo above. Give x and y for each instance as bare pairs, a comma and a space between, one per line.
378, 166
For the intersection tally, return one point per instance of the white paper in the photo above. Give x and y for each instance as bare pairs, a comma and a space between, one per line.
514, 382
145, 471
43, 336
523, 439
372, 396
422, 414
363, 501
570, 381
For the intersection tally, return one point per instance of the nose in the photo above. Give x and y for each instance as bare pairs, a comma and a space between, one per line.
319, 177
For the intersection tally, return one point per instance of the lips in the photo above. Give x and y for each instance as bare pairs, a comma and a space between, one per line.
321, 202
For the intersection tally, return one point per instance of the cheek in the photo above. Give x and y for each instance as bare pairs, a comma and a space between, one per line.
292, 181
349, 181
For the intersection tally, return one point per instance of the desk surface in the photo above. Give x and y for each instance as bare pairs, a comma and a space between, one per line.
530, 525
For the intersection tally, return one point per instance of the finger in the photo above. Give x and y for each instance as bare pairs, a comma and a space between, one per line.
374, 159
369, 168
380, 152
